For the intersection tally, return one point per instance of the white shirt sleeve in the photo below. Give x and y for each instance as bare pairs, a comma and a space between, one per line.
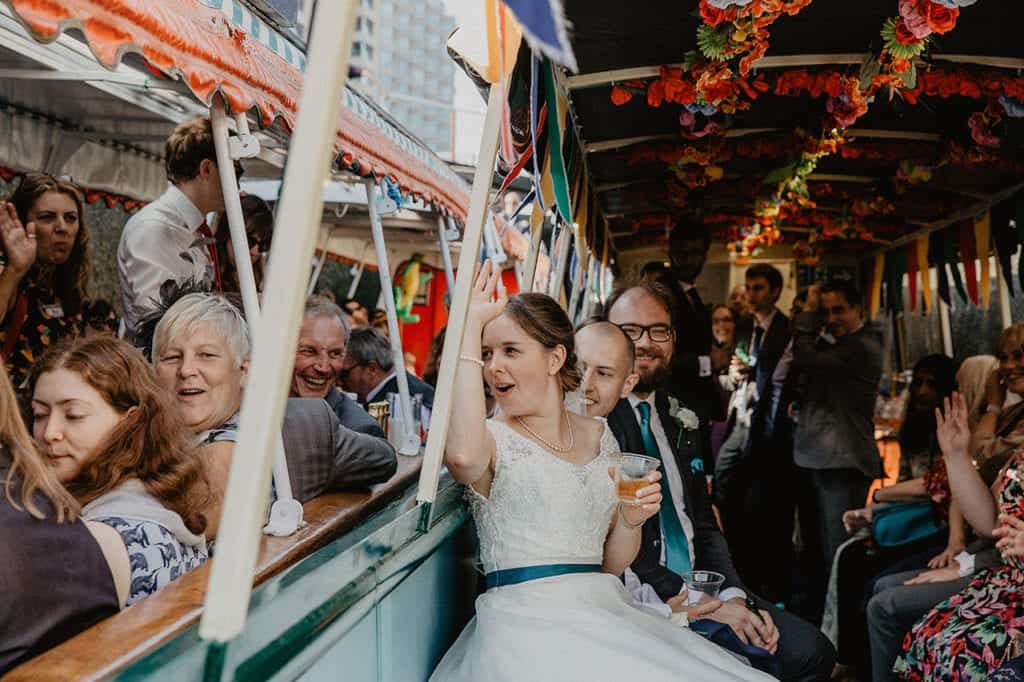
645, 596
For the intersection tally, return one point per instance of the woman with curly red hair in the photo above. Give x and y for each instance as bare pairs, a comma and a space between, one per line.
117, 443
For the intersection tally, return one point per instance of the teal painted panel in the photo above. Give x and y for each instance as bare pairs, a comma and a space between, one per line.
354, 659
417, 620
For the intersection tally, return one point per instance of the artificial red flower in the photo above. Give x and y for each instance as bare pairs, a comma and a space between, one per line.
714, 16
620, 95
904, 35
941, 19
656, 93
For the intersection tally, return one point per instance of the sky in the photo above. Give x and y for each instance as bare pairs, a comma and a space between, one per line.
469, 105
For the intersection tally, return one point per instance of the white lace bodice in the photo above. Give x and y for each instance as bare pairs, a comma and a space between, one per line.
543, 509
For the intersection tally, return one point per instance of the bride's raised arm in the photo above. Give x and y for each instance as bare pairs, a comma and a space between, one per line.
469, 450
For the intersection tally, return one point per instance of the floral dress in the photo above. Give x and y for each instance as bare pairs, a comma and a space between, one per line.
44, 325
970, 634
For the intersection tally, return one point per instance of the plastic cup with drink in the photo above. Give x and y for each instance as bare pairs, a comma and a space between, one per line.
700, 583
631, 472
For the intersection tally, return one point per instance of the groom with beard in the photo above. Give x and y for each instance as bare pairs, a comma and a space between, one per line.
684, 535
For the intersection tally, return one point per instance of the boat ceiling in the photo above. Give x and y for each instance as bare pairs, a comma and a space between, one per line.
630, 148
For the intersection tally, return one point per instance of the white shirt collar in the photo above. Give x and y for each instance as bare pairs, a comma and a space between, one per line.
184, 206
376, 389
635, 400
766, 325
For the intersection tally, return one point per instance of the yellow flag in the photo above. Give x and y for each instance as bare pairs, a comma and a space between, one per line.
982, 235
876, 286
926, 277
503, 38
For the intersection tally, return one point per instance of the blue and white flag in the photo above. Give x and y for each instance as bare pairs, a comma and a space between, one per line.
545, 28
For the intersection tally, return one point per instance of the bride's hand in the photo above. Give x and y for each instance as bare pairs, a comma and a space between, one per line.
704, 608
648, 500
487, 298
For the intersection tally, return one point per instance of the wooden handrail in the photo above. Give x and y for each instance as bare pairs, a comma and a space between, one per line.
120, 640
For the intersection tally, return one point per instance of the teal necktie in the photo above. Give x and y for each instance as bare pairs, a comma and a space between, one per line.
677, 551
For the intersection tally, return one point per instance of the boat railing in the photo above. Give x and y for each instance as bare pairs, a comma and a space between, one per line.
361, 529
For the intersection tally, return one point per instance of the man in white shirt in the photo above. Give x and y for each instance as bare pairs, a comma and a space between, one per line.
684, 535
169, 242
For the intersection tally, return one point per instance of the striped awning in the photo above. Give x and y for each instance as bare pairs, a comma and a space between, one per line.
219, 46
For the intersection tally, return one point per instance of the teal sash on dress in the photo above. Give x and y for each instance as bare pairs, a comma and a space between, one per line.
514, 576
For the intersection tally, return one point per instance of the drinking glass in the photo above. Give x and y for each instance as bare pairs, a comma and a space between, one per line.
702, 582
630, 475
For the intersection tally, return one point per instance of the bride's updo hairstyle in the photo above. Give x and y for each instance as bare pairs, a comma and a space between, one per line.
544, 321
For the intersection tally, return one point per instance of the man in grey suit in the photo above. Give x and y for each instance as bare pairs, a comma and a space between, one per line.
319, 357
325, 456
834, 441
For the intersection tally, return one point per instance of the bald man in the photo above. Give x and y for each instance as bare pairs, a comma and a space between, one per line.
606, 359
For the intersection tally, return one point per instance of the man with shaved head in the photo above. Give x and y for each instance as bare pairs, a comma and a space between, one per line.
606, 359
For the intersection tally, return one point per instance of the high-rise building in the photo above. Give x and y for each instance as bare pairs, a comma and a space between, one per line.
399, 54
416, 76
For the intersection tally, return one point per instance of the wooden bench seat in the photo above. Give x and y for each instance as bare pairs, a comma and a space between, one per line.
143, 627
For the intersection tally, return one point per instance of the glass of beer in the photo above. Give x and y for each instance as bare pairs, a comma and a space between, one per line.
700, 583
630, 474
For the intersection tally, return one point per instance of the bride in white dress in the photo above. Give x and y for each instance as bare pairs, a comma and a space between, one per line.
553, 538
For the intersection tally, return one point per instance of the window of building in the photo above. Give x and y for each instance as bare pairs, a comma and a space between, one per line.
357, 49
369, 51
369, 27
367, 3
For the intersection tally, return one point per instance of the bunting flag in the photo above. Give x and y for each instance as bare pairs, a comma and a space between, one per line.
538, 109
926, 274
938, 248
911, 260
1005, 240
875, 296
544, 25
557, 113
504, 35
895, 267
968, 255
950, 255
983, 247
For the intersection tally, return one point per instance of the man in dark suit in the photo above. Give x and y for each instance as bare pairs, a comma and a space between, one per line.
692, 375
684, 535
325, 456
754, 471
369, 371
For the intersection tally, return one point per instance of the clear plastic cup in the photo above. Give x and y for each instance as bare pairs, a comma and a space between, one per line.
699, 583
630, 475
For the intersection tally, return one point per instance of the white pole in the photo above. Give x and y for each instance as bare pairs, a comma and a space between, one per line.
315, 277
358, 276
1005, 317
410, 444
947, 332
286, 513
230, 583
443, 223
433, 456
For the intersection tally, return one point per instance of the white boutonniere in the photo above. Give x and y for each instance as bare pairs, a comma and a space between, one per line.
688, 422
685, 417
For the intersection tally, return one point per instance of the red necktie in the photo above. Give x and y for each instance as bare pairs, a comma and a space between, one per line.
211, 249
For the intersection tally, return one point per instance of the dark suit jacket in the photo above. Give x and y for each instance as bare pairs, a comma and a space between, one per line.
712, 552
351, 415
693, 339
325, 456
415, 386
762, 426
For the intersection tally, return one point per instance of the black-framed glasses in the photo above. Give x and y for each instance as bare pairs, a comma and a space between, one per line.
659, 333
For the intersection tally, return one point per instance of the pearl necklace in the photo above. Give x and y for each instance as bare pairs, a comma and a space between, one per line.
545, 443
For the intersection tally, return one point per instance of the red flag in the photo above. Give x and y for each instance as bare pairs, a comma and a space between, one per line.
968, 256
